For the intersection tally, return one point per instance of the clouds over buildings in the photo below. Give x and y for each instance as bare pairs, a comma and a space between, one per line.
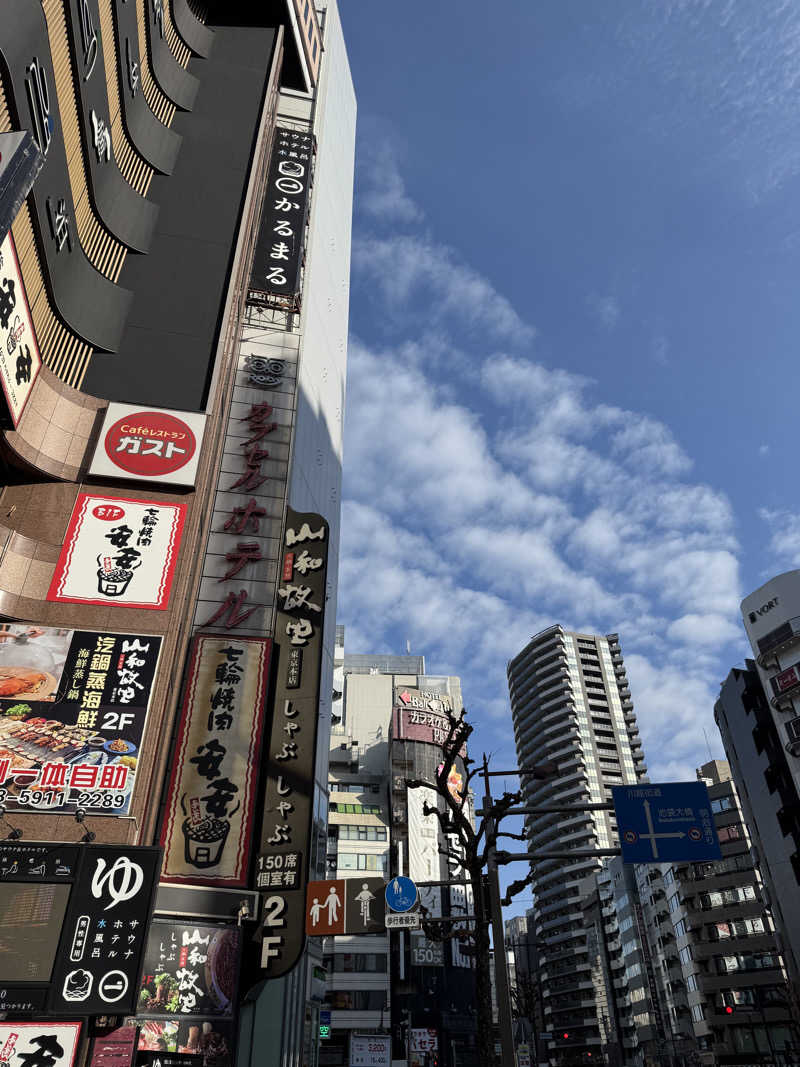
488, 495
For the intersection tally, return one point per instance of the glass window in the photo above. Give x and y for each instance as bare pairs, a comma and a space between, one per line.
729, 833
30, 919
691, 983
722, 804
698, 1013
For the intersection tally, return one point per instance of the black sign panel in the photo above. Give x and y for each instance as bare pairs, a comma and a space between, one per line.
128, 216
22, 1000
177, 84
168, 1059
92, 305
288, 801
21, 861
154, 141
279, 249
105, 931
190, 970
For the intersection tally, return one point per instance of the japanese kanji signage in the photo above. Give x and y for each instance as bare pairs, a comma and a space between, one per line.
93, 905
210, 807
39, 1044
190, 970
279, 250
105, 931
80, 749
290, 757
19, 352
149, 445
119, 552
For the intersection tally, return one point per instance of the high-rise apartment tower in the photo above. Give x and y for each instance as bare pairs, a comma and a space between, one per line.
571, 704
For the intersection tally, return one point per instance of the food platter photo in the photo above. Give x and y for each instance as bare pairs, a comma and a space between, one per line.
16, 682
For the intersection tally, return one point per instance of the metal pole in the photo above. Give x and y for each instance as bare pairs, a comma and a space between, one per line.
498, 937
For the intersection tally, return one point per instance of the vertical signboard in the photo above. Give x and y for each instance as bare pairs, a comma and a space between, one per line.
20, 360
279, 249
209, 816
288, 801
119, 552
424, 838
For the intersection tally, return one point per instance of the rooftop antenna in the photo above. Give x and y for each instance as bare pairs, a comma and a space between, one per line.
708, 746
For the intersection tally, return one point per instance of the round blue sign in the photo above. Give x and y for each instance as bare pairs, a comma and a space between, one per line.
401, 894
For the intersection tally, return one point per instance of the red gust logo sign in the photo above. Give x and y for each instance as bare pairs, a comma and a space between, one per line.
150, 444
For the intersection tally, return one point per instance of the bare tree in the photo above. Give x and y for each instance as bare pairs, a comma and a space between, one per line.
467, 847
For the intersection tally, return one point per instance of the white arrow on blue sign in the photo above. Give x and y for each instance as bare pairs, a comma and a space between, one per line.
401, 894
664, 823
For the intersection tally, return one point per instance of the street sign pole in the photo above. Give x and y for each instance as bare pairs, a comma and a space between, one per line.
498, 936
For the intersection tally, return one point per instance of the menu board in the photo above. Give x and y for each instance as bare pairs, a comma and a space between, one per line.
80, 747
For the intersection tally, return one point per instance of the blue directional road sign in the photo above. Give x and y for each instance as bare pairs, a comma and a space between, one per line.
325, 1018
401, 894
665, 822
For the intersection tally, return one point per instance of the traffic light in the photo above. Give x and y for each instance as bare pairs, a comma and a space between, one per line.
729, 1009
565, 1037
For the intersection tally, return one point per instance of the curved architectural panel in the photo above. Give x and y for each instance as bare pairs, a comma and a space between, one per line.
175, 82
154, 141
191, 31
91, 305
55, 433
128, 216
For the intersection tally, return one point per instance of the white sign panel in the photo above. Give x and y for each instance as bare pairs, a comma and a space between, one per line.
370, 1050
20, 360
424, 858
405, 920
44, 1043
149, 445
119, 552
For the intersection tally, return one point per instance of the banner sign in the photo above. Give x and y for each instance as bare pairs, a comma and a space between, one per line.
20, 361
210, 807
92, 906
149, 445
292, 750
190, 970
279, 249
39, 1044
188, 993
119, 552
80, 747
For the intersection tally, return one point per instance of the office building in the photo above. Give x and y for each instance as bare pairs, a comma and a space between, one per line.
717, 964
389, 725
758, 714
173, 342
570, 703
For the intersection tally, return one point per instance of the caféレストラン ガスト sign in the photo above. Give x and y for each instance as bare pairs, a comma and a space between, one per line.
119, 552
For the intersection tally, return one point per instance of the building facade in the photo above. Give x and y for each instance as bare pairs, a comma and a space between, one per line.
717, 963
571, 704
173, 328
758, 714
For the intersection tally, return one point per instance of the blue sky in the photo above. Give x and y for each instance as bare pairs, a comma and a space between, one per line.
574, 332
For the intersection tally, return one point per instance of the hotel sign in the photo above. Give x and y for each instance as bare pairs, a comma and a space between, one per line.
292, 746
209, 820
279, 249
20, 360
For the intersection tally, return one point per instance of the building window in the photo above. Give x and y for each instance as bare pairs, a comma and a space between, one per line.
359, 861
729, 833
685, 954
314, 49
723, 804
674, 902
698, 1012
356, 963
680, 928
360, 833
691, 983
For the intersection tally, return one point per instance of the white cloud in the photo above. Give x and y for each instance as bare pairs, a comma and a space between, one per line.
605, 308
784, 542
381, 191
763, 450
488, 496
408, 268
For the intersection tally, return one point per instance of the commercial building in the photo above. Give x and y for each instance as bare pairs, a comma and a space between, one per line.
570, 703
390, 720
758, 714
173, 341
716, 961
